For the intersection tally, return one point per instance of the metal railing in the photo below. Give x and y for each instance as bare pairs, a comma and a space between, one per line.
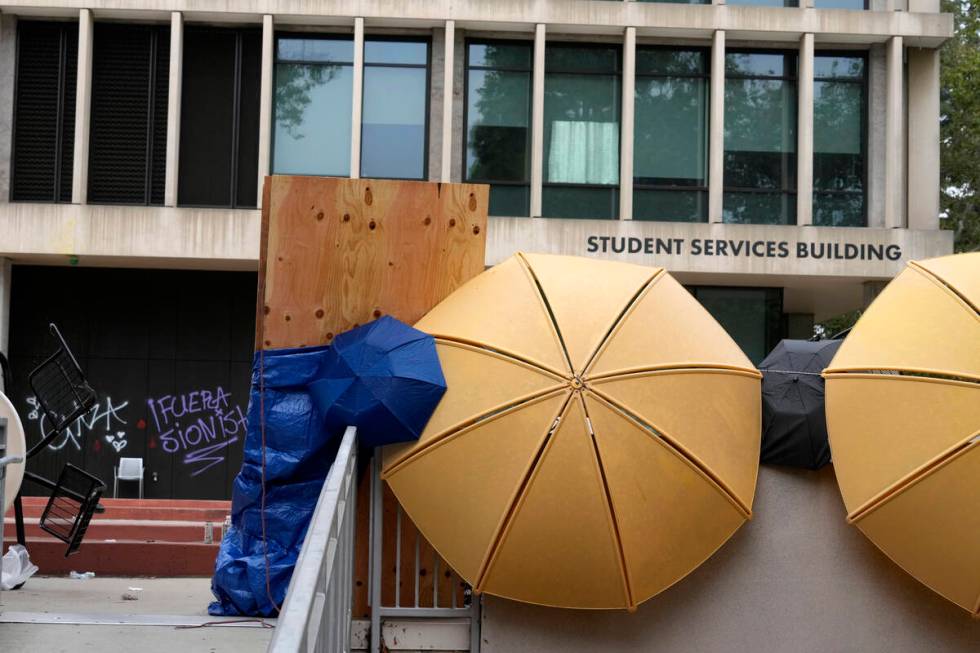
316, 615
462, 608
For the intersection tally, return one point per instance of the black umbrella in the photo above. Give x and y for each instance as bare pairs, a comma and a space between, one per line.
794, 428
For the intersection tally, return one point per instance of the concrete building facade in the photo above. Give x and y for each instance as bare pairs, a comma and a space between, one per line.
781, 158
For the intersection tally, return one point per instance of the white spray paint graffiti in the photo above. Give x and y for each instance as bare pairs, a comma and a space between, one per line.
104, 416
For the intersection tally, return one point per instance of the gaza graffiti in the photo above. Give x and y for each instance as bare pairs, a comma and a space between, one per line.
199, 424
105, 418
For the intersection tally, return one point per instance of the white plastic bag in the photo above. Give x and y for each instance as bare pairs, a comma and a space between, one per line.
17, 567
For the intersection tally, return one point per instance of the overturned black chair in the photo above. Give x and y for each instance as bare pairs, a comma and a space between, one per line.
64, 395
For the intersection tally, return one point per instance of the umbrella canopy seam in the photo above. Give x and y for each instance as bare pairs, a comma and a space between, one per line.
505, 524
617, 531
506, 353
644, 291
686, 368
543, 298
467, 425
641, 291
678, 450
922, 374
946, 285
913, 478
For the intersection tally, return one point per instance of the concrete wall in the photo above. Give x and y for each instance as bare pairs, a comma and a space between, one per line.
8, 44
796, 579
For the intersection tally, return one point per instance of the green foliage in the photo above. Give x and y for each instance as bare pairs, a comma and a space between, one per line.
960, 125
833, 326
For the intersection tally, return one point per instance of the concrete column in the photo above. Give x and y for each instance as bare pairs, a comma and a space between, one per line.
265, 101
83, 102
923, 197
8, 55
447, 102
628, 127
173, 107
537, 122
358, 98
716, 128
894, 136
5, 284
804, 134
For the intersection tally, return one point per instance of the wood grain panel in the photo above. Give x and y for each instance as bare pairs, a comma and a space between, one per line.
338, 253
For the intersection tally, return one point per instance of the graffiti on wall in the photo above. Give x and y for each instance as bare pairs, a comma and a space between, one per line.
199, 426
104, 421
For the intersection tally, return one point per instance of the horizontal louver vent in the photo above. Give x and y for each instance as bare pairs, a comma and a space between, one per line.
44, 113
128, 138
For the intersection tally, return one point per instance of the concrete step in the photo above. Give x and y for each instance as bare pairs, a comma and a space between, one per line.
144, 509
146, 530
122, 557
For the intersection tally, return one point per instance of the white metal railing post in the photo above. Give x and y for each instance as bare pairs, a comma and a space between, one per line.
316, 615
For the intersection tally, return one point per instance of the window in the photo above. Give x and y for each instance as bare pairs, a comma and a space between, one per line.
313, 101
128, 133
760, 138
839, 140
498, 123
219, 122
670, 143
44, 112
581, 131
680, 2
765, 3
395, 112
751, 316
840, 4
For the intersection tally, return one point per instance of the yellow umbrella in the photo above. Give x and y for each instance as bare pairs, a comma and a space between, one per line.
903, 414
599, 438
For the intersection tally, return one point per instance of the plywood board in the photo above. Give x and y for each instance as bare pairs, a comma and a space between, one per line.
337, 253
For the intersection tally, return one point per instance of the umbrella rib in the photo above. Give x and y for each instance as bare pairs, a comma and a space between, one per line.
680, 451
932, 276
506, 522
470, 423
669, 368
504, 353
627, 310
547, 307
920, 473
627, 584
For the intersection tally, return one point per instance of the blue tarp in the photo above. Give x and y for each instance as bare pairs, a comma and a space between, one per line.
384, 378
298, 456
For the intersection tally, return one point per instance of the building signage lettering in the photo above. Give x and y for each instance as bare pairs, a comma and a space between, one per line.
743, 248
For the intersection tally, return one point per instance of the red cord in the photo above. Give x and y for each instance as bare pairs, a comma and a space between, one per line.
265, 543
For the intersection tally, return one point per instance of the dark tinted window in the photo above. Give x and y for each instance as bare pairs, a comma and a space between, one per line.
128, 134
44, 112
498, 123
219, 120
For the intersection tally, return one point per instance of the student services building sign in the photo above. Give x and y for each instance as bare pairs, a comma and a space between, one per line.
722, 248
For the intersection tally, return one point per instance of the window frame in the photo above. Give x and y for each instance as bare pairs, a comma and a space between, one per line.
529, 147
705, 52
308, 36
617, 73
62, 110
795, 78
240, 32
402, 38
865, 116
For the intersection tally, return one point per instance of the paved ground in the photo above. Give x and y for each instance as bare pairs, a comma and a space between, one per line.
94, 617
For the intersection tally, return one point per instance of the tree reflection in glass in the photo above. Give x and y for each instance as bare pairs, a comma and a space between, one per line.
312, 106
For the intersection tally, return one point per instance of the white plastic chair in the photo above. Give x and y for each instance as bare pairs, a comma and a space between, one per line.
129, 469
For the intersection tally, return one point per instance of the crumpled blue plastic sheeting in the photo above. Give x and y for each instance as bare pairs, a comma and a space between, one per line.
299, 452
